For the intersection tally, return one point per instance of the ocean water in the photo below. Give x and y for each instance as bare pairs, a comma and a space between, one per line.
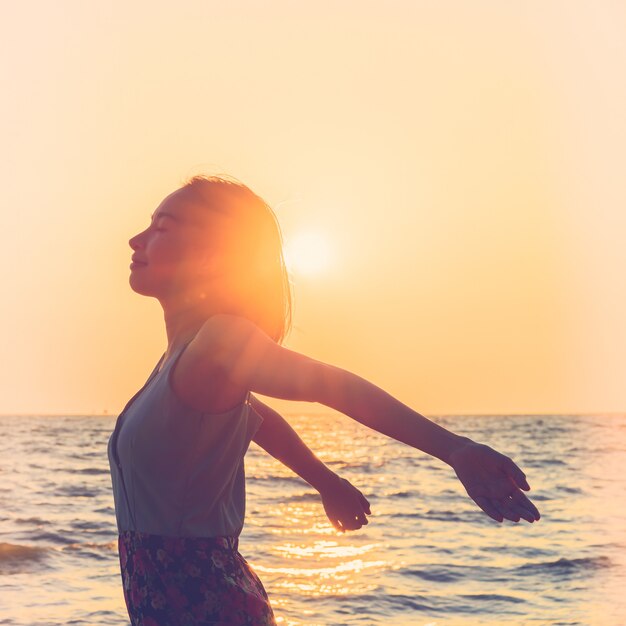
429, 555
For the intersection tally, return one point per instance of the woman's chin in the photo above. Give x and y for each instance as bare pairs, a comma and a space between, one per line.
139, 286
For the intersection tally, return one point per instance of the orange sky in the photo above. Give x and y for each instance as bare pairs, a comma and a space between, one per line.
465, 162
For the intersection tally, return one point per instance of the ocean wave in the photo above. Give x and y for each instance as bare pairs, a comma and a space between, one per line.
492, 597
76, 491
57, 538
433, 516
401, 494
31, 520
313, 496
90, 471
109, 510
368, 467
574, 490
276, 481
435, 574
15, 558
383, 604
565, 567
456, 573
100, 550
91, 525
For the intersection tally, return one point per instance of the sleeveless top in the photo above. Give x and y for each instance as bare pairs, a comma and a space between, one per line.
177, 471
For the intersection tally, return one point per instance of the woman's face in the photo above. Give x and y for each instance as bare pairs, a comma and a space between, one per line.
178, 252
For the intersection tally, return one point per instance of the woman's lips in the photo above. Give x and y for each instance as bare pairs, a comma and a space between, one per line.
136, 265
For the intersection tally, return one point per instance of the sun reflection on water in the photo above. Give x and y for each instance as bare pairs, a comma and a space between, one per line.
323, 549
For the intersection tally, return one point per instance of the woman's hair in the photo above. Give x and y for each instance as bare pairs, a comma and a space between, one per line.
257, 274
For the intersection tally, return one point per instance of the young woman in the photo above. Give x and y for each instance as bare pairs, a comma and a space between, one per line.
212, 256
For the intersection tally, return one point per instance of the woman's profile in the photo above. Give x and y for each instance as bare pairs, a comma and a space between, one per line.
212, 257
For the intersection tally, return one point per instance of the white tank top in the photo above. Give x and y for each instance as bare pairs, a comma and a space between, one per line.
177, 471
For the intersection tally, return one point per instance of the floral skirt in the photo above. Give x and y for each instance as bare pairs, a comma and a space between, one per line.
190, 581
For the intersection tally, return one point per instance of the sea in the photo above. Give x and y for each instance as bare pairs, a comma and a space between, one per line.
428, 557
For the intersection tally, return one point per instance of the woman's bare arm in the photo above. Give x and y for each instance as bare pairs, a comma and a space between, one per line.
253, 361
345, 506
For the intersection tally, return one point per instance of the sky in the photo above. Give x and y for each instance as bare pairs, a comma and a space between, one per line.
463, 164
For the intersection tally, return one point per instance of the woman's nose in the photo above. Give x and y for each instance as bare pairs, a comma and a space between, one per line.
135, 242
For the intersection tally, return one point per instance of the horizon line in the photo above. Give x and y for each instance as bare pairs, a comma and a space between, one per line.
295, 413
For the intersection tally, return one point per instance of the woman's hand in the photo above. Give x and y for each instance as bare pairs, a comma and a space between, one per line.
493, 481
344, 504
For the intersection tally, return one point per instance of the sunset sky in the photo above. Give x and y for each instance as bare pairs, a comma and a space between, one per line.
463, 163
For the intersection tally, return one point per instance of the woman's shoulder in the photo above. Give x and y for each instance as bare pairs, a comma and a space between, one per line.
199, 377
227, 327
226, 338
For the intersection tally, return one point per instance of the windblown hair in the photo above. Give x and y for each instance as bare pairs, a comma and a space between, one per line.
253, 242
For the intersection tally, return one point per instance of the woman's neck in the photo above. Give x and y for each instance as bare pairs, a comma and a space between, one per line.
182, 324
183, 321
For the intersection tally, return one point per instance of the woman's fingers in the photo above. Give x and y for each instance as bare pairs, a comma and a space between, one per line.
351, 518
526, 504
497, 505
351, 524
365, 503
506, 508
509, 509
497, 509
360, 518
336, 525
488, 508
516, 474
520, 512
512, 509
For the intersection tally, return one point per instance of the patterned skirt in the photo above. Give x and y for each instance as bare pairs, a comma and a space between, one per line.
190, 581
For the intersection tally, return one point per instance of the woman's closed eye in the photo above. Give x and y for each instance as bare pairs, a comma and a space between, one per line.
158, 226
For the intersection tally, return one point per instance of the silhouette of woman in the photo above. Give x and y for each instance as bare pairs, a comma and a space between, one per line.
212, 256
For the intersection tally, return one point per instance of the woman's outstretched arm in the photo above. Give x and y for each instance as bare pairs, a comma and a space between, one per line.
251, 360
345, 506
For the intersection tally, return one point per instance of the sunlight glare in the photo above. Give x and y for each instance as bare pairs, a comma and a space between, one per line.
308, 253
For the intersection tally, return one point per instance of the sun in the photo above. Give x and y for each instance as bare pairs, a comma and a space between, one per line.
308, 253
